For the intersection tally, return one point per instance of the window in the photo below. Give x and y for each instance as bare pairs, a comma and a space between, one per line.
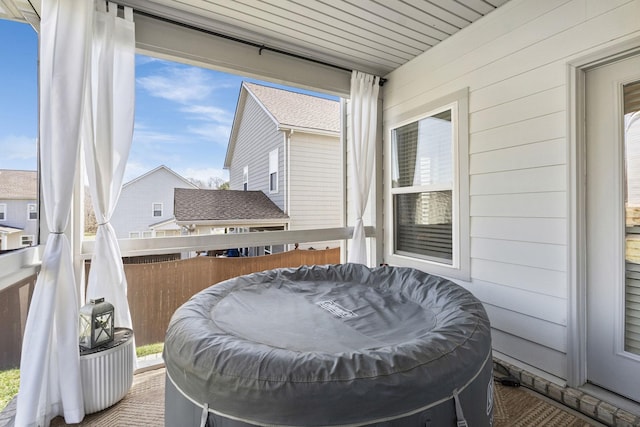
268, 250
273, 171
147, 234
245, 178
3, 212
32, 211
422, 187
134, 234
157, 209
26, 240
428, 156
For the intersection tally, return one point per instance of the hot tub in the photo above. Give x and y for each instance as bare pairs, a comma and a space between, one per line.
340, 345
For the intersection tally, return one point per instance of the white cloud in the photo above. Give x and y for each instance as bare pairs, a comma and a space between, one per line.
142, 134
180, 84
218, 126
207, 112
143, 60
18, 152
217, 133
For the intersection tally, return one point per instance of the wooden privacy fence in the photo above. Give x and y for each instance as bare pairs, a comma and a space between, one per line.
14, 305
156, 290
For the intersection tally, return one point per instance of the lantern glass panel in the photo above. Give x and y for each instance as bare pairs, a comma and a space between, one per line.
103, 328
96, 323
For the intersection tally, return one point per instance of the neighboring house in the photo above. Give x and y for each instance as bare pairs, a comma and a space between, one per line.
145, 206
18, 209
275, 132
222, 211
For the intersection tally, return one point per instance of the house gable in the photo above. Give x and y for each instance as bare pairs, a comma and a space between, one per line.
135, 209
255, 137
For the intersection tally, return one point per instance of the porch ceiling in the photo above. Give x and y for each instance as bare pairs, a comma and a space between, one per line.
375, 36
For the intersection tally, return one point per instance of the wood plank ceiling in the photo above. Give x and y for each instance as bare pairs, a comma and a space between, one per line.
375, 36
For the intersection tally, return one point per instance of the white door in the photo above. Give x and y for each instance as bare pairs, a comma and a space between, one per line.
613, 226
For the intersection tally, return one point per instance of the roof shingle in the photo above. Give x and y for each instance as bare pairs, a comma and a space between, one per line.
220, 205
18, 185
297, 109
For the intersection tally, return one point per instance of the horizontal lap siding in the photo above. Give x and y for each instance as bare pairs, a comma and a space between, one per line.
134, 213
316, 186
514, 62
257, 137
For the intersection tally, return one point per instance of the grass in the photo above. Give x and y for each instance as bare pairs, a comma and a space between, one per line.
9, 384
148, 349
10, 379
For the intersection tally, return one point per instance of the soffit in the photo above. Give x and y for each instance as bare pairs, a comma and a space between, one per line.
376, 36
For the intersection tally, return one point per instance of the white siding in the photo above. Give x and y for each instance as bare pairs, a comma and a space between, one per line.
514, 62
257, 137
316, 187
134, 209
16, 216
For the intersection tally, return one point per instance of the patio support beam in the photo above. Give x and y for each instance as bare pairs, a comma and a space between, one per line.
176, 42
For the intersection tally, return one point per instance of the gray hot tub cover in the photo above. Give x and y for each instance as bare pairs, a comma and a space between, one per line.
326, 345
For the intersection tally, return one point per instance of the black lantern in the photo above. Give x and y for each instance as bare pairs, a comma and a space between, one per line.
96, 323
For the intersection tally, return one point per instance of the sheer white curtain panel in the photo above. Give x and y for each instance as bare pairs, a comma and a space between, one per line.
107, 142
363, 108
50, 383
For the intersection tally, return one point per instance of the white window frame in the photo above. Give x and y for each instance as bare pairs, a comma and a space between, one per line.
30, 211
153, 209
268, 249
245, 178
3, 211
29, 237
134, 234
273, 170
459, 268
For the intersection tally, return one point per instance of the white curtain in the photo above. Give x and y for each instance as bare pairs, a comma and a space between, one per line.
50, 382
107, 142
363, 109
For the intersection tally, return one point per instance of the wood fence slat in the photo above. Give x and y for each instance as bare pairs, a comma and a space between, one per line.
156, 290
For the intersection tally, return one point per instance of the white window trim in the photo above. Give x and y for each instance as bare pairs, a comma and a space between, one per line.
273, 168
29, 211
134, 234
245, 178
461, 262
153, 209
3, 209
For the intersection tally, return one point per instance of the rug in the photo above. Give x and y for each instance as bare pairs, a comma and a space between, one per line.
513, 407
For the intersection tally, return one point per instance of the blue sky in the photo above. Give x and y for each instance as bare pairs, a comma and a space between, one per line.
183, 113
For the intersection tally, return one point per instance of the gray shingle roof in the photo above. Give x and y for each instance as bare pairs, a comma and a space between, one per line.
18, 185
297, 109
218, 205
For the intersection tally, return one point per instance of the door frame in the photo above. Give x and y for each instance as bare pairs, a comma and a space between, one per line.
576, 199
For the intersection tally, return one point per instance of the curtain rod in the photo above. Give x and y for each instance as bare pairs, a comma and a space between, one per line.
260, 47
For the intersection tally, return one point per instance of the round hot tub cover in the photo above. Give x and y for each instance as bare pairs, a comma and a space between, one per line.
339, 345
